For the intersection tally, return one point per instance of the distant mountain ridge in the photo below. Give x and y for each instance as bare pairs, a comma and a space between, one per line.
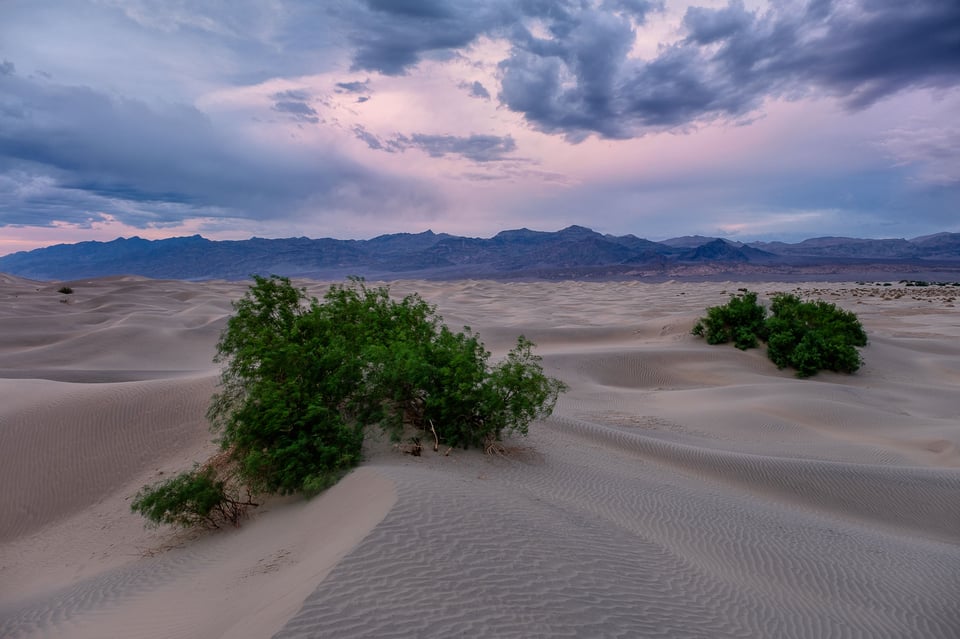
573, 252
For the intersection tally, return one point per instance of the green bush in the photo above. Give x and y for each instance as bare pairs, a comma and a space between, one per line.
806, 336
66, 290
813, 336
741, 321
284, 390
303, 378
193, 498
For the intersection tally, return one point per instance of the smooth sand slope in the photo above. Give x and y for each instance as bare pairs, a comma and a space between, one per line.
680, 490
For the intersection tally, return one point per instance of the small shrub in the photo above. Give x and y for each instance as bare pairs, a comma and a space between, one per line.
194, 498
741, 321
66, 290
806, 336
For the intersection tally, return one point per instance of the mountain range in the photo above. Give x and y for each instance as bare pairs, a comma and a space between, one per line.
572, 253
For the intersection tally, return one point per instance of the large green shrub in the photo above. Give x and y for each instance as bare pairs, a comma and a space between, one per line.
283, 389
303, 378
806, 336
813, 336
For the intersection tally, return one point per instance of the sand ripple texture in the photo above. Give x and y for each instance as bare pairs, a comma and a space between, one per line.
622, 552
679, 490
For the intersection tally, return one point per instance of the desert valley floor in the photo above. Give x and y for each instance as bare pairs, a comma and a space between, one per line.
679, 490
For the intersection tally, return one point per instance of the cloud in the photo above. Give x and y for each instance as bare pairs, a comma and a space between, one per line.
353, 87
393, 36
706, 26
571, 82
571, 68
877, 49
300, 111
932, 151
247, 114
416, 9
476, 148
390, 36
476, 90
296, 95
370, 139
731, 60
242, 42
639, 9
575, 74
71, 153
295, 104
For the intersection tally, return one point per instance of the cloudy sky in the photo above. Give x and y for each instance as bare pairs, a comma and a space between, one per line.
352, 118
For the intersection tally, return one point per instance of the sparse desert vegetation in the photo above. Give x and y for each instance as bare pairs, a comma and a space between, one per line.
304, 378
845, 484
805, 336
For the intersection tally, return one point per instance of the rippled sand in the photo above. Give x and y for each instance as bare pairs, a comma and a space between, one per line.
679, 490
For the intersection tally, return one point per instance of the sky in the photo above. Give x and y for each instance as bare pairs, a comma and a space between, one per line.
751, 120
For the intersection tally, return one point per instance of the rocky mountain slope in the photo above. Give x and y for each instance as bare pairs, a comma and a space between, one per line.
574, 252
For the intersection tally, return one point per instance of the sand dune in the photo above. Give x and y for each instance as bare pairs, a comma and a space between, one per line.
679, 490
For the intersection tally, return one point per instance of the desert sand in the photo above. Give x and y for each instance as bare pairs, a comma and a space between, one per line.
679, 489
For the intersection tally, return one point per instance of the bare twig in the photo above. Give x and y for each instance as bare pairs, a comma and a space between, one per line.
436, 440
494, 447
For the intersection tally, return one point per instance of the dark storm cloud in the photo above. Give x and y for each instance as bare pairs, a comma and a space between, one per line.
731, 60
116, 127
420, 9
581, 79
891, 46
572, 82
709, 25
149, 165
390, 37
